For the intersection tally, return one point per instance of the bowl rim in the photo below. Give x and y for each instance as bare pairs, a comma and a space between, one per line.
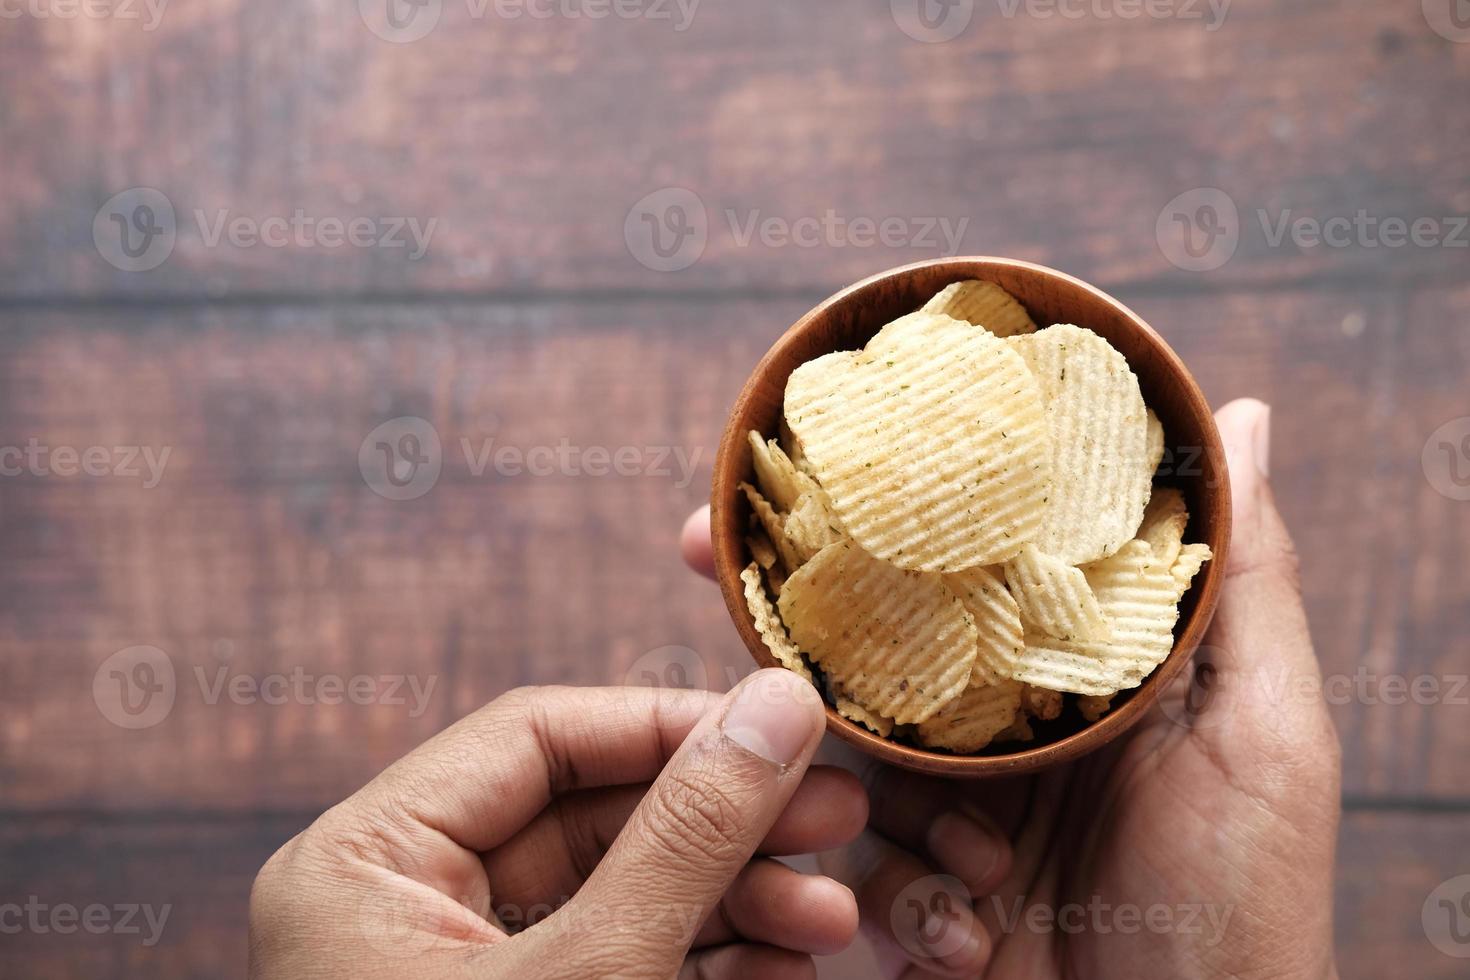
729, 561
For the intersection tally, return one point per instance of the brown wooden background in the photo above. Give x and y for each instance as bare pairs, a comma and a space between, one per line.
262, 369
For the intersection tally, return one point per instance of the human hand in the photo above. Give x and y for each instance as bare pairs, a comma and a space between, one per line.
1198, 845
643, 806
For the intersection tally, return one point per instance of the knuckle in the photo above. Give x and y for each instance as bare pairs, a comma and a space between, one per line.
692, 813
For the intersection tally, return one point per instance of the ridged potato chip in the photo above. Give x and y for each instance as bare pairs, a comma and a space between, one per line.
768, 624
1099, 443
971, 721
774, 526
1187, 565
1140, 597
931, 443
983, 304
1040, 703
1155, 441
898, 642
780, 481
1019, 730
812, 525
852, 711
1054, 597
761, 548
1164, 521
1093, 707
997, 621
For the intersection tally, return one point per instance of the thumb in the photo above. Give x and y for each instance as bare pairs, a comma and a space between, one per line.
1269, 684
701, 821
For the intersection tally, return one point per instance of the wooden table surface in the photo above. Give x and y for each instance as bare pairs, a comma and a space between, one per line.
766, 142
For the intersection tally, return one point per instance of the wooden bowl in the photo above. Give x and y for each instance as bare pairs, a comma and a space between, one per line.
1195, 463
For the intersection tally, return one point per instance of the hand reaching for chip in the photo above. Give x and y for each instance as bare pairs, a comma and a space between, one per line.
1200, 844
644, 806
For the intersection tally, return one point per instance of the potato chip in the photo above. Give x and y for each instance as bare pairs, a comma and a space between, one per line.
1055, 597
1187, 565
1040, 703
983, 304
852, 711
1164, 521
812, 525
971, 721
1019, 730
780, 481
1099, 443
768, 625
899, 642
792, 447
1093, 707
1140, 597
1155, 441
761, 548
997, 621
931, 443
774, 526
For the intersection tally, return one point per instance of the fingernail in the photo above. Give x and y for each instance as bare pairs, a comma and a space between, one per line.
1262, 440
772, 715
966, 849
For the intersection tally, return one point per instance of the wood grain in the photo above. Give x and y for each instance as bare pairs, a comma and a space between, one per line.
1060, 139
202, 870
264, 542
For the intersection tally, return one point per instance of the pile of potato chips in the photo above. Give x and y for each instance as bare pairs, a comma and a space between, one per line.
958, 525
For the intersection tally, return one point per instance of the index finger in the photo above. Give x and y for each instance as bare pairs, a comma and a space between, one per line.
488, 775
